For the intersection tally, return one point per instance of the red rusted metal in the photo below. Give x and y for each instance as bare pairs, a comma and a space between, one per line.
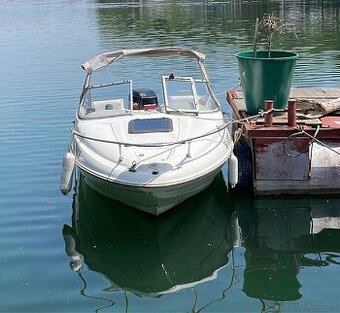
331, 121
281, 159
286, 160
268, 118
292, 113
258, 131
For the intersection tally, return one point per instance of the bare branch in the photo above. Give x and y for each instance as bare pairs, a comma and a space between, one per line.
267, 27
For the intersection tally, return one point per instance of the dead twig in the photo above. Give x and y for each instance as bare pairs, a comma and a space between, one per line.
267, 27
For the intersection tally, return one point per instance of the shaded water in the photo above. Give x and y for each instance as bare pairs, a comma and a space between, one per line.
224, 252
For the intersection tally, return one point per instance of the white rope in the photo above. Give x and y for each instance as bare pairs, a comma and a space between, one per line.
238, 134
318, 141
314, 139
164, 144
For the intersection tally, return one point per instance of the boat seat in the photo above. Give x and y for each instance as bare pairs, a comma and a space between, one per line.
108, 105
181, 102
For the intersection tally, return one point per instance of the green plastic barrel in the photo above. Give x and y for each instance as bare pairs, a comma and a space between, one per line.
264, 78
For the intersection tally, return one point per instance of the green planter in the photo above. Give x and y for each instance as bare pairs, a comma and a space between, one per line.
264, 78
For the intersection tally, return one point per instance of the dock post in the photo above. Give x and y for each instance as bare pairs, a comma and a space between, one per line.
292, 113
268, 118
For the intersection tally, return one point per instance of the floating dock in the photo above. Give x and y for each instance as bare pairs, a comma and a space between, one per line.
295, 151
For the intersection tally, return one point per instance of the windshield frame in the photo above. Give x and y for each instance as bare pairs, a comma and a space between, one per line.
104, 108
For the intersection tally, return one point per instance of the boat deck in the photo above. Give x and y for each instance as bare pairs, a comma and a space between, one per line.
293, 152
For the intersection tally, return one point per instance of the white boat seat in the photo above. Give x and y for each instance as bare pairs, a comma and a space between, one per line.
181, 102
108, 105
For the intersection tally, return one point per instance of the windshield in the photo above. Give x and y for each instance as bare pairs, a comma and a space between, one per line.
105, 100
187, 94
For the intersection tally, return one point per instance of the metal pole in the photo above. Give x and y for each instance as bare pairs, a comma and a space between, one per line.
268, 119
292, 113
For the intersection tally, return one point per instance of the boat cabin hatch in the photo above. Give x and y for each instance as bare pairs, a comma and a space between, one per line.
150, 125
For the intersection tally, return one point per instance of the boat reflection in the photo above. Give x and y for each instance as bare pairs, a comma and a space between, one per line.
282, 237
149, 255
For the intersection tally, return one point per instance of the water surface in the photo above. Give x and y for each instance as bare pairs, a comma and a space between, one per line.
217, 252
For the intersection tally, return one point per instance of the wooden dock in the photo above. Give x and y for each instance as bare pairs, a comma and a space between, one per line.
291, 156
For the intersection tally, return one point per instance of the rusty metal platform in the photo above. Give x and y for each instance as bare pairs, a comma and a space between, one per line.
300, 159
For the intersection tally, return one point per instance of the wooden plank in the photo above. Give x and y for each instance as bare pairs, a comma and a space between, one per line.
241, 105
308, 93
315, 93
310, 117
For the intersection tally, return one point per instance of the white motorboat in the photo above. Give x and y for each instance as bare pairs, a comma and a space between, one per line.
135, 149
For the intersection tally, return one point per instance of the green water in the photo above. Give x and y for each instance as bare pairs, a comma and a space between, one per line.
217, 252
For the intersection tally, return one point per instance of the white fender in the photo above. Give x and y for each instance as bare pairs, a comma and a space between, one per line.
233, 170
76, 262
234, 230
67, 172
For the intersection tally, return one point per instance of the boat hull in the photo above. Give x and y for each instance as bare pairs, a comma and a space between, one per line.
153, 200
156, 156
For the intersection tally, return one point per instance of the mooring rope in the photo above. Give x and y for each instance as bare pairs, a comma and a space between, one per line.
237, 135
295, 135
173, 143
317, 140
162, 144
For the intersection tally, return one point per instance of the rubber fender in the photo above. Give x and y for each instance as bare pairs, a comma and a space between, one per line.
232, 170
67, 173
245, 165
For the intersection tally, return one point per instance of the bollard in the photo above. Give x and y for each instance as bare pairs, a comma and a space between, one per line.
268, 118
292, 113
